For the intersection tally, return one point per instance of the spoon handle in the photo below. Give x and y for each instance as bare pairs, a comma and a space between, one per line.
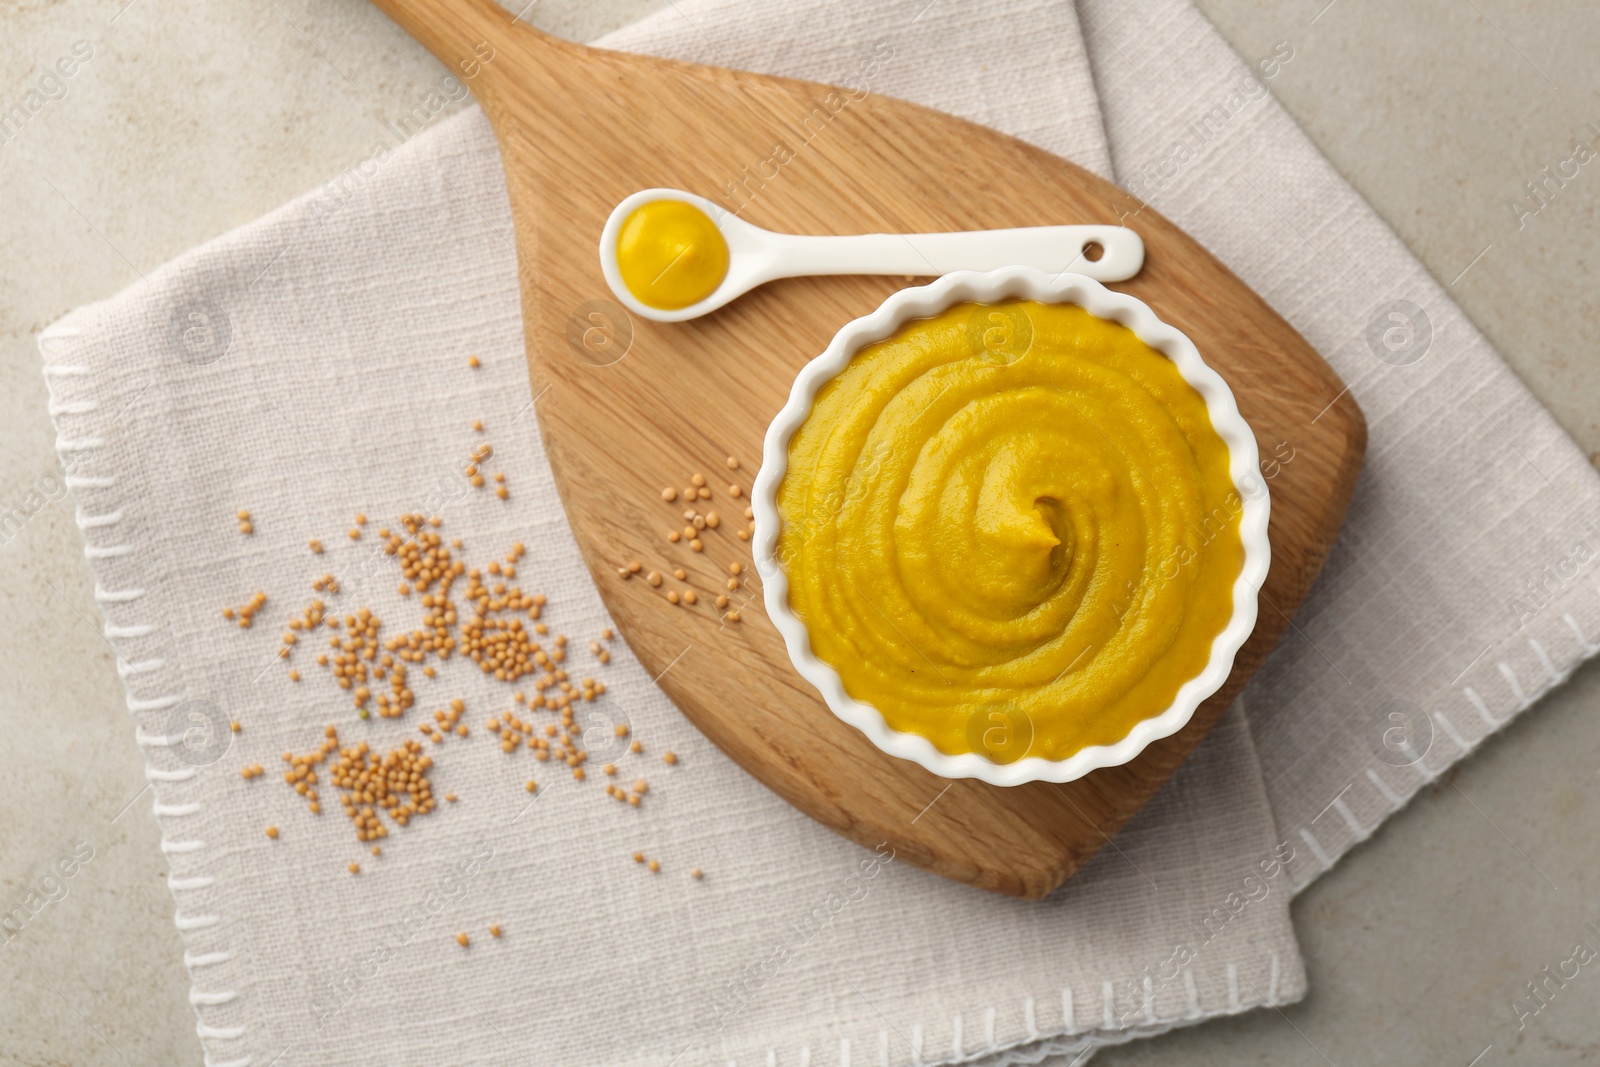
1056, 249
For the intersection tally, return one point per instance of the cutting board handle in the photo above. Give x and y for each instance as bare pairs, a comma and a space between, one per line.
488, 47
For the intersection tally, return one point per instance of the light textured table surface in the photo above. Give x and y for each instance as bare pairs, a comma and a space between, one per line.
188, 119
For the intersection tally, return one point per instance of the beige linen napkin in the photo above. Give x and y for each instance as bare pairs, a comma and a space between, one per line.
313, 364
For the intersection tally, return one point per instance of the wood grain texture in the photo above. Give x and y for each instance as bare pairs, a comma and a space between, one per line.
578, 130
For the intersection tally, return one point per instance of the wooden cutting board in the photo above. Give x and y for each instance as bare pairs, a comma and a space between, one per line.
629, 407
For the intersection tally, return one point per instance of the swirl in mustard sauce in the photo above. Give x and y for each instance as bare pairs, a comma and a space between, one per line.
1011, 529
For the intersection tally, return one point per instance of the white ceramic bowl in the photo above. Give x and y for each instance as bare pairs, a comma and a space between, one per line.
1012, 283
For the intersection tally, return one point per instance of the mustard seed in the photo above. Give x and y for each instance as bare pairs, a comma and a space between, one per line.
272, 832
669, 494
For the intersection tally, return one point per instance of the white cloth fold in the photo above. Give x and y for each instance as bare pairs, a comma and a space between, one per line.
313, 364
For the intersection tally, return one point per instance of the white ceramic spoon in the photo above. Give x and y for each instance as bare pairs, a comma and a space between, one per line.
757, 256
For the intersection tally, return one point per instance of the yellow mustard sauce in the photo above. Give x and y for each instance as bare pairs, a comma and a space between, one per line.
671, 254
1011, 530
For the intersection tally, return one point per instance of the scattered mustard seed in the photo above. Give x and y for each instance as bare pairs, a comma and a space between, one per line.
272, 832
